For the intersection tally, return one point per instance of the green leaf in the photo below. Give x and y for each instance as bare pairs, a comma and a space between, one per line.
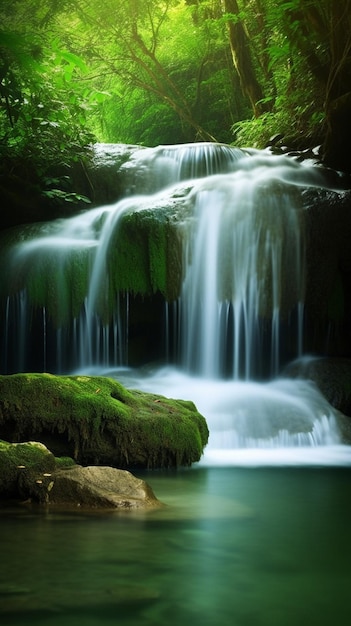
99, 96
74, 60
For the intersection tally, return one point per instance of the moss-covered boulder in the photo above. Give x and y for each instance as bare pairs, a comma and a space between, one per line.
97, 421
29, 472
16, 460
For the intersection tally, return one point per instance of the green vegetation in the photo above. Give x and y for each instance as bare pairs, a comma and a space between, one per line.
165, 71
96, 420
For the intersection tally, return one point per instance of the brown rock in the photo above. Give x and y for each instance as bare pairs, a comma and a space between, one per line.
93, 487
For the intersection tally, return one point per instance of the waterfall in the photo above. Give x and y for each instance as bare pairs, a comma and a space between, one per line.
244, 273
238, 314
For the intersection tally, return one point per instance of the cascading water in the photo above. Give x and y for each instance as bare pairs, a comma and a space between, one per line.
238, 315
247, 243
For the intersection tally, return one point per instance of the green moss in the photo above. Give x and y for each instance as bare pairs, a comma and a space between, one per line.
58, 282
64, 461
157, 252
174, 430
97, 420
146, 254
29, 457
54, 278
31, 454
128, 262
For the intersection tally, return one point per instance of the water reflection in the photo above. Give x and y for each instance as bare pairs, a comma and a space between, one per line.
236, 547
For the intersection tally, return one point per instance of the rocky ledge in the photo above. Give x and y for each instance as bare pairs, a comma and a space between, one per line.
29, 472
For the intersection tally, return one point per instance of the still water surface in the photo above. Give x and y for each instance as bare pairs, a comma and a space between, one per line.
233, 547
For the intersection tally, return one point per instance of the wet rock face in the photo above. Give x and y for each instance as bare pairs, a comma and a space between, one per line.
328, 272
332, 377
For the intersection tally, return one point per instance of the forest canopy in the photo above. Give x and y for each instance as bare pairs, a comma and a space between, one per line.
73, 72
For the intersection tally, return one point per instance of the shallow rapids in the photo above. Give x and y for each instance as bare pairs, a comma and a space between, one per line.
285, 422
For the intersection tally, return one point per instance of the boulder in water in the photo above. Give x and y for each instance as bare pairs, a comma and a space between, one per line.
97, 421
93, 487
29, 471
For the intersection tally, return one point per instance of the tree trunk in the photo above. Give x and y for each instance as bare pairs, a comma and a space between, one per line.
240, 48
337, 144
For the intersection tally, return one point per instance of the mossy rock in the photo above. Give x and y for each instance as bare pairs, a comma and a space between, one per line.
144, 257
97, 421
16, 459
29, 472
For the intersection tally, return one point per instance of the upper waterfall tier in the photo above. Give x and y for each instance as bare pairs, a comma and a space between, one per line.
147, 169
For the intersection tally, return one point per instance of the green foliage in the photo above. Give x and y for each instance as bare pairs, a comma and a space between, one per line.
43, 112
300, 127
168, 72
42, 102
139, 118
290, 53
161, 71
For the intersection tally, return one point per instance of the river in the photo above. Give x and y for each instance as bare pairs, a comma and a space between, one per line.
232, 546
